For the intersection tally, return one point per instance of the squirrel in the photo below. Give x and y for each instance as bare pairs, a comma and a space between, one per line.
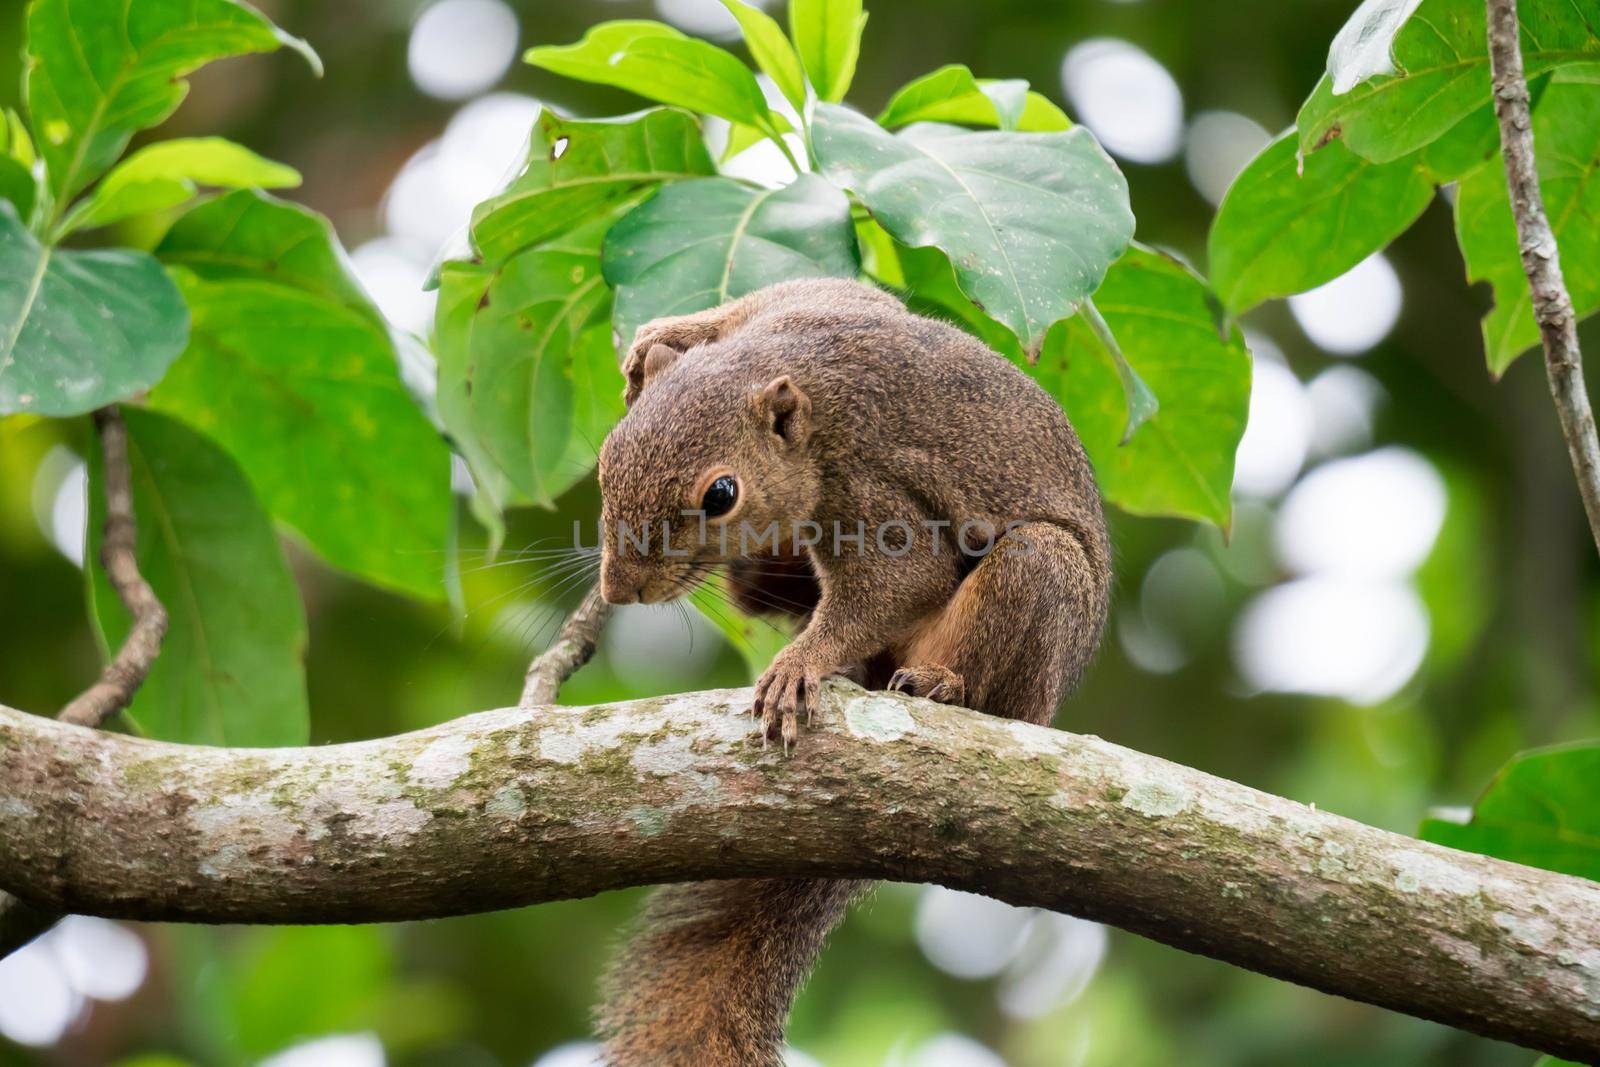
916, 500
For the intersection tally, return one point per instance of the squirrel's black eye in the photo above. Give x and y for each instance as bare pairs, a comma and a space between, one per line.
720, 496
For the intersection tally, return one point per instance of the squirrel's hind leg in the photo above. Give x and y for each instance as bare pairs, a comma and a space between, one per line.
1019, 630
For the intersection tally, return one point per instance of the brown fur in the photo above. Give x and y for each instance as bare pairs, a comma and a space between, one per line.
830, 402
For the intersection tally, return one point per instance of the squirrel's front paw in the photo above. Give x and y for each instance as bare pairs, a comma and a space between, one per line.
789, 687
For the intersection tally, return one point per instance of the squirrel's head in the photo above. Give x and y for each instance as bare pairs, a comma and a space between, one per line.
701, 470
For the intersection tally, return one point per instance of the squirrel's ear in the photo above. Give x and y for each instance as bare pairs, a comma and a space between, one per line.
785, 411
643, 364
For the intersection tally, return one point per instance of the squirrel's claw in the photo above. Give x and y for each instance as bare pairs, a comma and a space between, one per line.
788, 688
930, 680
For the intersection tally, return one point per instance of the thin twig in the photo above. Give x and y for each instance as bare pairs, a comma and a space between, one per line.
128, 669
20, 922
571, 649
1541, 259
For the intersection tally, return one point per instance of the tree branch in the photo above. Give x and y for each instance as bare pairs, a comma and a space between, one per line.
122, 677
512, 807
1541, 258
570, 650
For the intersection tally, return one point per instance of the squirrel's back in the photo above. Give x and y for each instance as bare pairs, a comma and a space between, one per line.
904, 398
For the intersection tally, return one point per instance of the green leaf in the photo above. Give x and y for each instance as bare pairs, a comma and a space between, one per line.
771, 50
1141, 403
231, 670
1031, 221
278, 986
17, 186
1470, 143
577, 168
952, 94
656, 61
1170, 329
1566, 130
741, 137
100, 70
1539, 810
16, 163
827, 34
168, 173
14, 139
251, 236
462, 286
1278, 232
1397, 83
756, 639
80, 329
699, 243
508, 340
293, 371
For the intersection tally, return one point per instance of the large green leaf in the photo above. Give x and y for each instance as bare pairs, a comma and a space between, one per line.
952, 94
827, 34
1397, 83
1279, 232
293, 371
168, 173
508, 341
1171, 331
698, 243
231, 668
1031, 221
251, 236
577, 168
771, 50
597, 386
1539, 810
101, 70
1566, 131
657, 61
80, 329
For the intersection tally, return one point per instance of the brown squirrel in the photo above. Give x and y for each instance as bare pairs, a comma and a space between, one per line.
918, 500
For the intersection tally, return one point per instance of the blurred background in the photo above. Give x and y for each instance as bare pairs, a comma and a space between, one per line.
1408, 595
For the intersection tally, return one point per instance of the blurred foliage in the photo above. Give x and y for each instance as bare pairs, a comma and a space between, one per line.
1511, 588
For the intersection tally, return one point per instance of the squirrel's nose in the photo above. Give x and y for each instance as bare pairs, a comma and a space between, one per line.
616, 589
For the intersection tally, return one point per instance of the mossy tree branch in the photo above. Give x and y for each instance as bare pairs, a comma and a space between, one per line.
512, 807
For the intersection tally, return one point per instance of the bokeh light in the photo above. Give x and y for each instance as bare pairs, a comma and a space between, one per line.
1355, 311
432, 198
1332, 635
337, 1050
1344, 403
952, 1050
46, 985
1126, 97
1278, 431
460, 48
1216, 149
703, 18
1371, 516
656, 647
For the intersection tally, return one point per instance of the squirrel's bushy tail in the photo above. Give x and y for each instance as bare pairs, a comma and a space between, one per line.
708, 975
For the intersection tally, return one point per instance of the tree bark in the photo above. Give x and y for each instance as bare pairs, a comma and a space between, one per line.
1541, 258
513, 807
